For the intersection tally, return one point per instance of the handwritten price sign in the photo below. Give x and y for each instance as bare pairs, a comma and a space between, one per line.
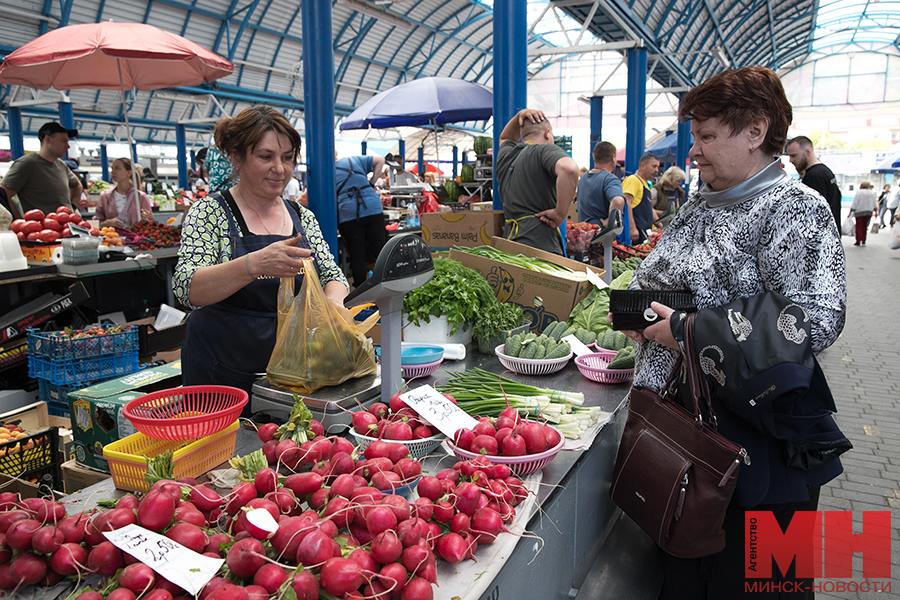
182, 566
437, 410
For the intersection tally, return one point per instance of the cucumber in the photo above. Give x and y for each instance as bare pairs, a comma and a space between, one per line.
620, 340
541, 352
530, 350
623, 360
551, 345
584, 336
513, 345
608, 339
560, 327
567, 332
549, 328
529, 337
560, 351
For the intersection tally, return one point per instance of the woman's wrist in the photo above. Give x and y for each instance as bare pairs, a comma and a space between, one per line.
247, 265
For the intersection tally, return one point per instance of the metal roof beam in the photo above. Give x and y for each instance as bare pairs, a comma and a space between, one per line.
718, 26
546, 51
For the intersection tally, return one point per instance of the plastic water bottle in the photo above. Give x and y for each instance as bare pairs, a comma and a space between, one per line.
412, 215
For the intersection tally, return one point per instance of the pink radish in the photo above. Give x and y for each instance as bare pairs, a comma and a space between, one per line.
399, 505
486, 525
417, 589
443, 511
49, 511
189, 536
303, 484
206, 499
72, 528
245, 557
47, 540
9, 517
484, 444
315, 549
255, 592
364, 559
270, 577
362, 421
69, 559
459, 522
27, 568
266, 481
341, 576
138, 578
424, 508
20, 534
305, 585
105, 559
467, 497
513, 445
386, 547
213, 584
266, 432
380, 518
240, 495
284, 499
157, 595
8, 501
553, 436
408, 469
463, 439
429, 487
409, 532
260, 523
121, 594
393, 576
339, 511
451, 547
156, 511
5, 551
215, 540
289, 535
268, 450
533, 434
229, 592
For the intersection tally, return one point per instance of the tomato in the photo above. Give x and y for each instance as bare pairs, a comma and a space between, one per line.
52, 224
51, 216
34, 215
63, 218
21, 236
33, 236
16, 225
48, 235
64, 209
95, 232
66, 232
30, 227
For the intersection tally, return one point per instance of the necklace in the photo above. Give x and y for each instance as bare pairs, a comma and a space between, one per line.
261, 221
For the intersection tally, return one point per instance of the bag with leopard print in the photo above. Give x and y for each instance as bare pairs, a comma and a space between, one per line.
674, 473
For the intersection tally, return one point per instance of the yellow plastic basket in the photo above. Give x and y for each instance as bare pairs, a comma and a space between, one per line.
128, 466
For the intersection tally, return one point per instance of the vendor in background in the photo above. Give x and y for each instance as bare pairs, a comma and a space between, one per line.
668, 194
236, 245
637, 198
402, 177
360, 213
119, 206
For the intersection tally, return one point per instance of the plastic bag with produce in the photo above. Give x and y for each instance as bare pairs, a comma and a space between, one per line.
317, 342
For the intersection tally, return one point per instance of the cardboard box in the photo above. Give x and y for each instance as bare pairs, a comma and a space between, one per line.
75, 477
23, 487
38, 251
524, 287
481, 206
461, 228
35, 417
572, 215
96, 412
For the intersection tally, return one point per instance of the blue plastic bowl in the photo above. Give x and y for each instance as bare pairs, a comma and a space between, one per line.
418, 354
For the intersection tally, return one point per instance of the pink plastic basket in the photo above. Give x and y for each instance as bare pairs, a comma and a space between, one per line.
520, 465
593, 366
411, 371
186, 413
604, 351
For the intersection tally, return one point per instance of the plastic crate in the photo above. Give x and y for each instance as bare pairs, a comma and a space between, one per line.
60, 346
66, 372
57, 396
128, 465
13, 355
34, 452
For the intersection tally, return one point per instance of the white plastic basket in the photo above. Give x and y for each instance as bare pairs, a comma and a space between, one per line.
529, 366
417, 448
519, 465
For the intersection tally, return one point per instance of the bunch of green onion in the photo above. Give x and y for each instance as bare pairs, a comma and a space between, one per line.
526, 262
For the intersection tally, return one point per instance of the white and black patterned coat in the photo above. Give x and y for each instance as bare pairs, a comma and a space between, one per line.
770, 232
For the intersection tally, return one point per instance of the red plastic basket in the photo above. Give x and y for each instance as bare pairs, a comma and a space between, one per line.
186, 413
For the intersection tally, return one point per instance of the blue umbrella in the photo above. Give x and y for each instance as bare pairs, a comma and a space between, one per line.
429, 101
666, 148
890, 163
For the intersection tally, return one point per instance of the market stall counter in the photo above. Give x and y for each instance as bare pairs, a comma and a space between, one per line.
575, 513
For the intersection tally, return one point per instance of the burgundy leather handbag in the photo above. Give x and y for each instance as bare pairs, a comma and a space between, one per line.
674, 473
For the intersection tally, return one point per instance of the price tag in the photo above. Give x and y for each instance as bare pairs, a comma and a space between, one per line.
437, 410
595, 279
182, 566
169, 192
577, 347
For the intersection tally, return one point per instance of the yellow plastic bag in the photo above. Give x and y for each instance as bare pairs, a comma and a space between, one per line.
317, 342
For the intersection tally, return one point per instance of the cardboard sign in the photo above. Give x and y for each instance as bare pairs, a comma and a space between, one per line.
437, 410
577, 347
596, 280
182, 566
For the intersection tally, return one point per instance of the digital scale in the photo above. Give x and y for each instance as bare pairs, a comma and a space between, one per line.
403, 265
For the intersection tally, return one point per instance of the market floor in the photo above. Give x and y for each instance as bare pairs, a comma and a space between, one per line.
863, 370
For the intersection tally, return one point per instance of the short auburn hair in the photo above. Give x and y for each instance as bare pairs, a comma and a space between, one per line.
238, 136
737, 97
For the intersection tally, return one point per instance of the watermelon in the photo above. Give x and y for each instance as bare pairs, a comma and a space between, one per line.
452, 190
482, 144
467, 174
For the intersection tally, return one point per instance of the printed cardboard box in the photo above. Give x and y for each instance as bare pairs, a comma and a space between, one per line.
75, 477
38, 251
96, 412
467, 228
572, 215
544, 298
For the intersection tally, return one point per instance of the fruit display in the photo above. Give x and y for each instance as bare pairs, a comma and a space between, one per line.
111, 236
395, 422
624, 359
35, 226
579, 236
97, 186
162, 235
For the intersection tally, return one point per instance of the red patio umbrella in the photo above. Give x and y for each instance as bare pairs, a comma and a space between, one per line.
429, 168
112, 56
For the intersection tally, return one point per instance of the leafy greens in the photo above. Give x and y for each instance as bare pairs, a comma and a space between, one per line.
591, 312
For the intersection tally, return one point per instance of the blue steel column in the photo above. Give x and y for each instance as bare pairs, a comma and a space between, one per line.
682, 160
401, 145
66, 115
421, 159
596, 124
16, 133
635, 120
134, 156
318, 96
510, 75
181, 145
364, 147
104, 163
455, 161
192, 157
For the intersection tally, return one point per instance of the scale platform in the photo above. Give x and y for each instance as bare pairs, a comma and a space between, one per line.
325, 404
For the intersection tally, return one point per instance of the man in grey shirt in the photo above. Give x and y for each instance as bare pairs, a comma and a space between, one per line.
536, 180
42, 180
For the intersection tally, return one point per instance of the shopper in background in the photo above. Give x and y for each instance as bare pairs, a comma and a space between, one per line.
638, 198
148, 176
815, 174
536, 180
894, 203
292, 190
402, 177
360, 213
236, 246
598, 189
864, 204
119, 206
749, 230
882, 203
41, 179
668, 194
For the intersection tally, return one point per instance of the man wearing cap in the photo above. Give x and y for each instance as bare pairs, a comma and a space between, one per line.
402, 177
42, 180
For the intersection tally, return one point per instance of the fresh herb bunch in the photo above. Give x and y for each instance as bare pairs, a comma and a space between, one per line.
497, 317
455, 291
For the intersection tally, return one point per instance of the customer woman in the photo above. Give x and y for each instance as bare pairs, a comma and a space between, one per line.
667, 193
864, 204
119, 206
750, 229
882, 204
236, 245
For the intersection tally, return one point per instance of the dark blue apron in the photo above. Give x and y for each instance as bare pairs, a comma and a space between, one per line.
230, 342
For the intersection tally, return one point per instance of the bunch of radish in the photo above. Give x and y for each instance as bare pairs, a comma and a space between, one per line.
507, 435
288, 452
396, 421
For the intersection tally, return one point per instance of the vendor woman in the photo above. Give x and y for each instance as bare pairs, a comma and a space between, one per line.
120, 206
237, 244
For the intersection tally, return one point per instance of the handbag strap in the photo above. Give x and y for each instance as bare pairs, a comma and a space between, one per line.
697, 381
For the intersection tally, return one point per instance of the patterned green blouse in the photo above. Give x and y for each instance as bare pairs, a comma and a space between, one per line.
205, 242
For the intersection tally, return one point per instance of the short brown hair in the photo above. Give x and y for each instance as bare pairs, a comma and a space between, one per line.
238, 136
604, 152
865, 185
529, 129
737, 97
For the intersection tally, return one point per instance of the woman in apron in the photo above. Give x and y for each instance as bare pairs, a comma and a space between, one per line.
236, 246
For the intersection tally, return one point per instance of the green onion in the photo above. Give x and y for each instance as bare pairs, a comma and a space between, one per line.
526, 262
479, 383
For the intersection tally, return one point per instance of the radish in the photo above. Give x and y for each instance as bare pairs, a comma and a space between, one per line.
164, 584
486, 525
417, 589
379, 410
30, 505
414, 558
270, 577
229, 592
245, 557
443, 511
386, 547
138, 578
5, 551
268, 450
396, 403
27, 568
408, 469
266, 432
317, 428
361, 533
424, 508
513, 445
105, 559
6, 582
467, 497
266, 481
305, 585
341, 462
452, 547
339, 511
459, 522
168, 486
49, 579
463, 438
303, 484
318, 499
287, 452
10, 517
451, 475
189, 536
484, 427
394, 577
553, 436
504, 423
121, 594
289, 535
533, 434
240, 495
129, 501
429, 487
206, 499
158, 595
47, 540
72, 528
380, 518
501, 434
343, 485
8, 501
69, 559
511, 414
377, 449
156, 511
386, 481
189, 514
399, 505
20, 534
485, 445
49, 511
260, 523
341, 576
374, 590
215, 541
363, 421
285, 500
398, 430
410, 532
364, 559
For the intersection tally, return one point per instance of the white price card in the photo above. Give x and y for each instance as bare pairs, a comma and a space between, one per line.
595, 279
577, 347
437, 410
182, 566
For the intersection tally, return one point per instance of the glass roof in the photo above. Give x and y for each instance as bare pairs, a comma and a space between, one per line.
840, 22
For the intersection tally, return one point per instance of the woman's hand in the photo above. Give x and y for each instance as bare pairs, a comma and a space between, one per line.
661, 331
112, 223
281, 259
147, 215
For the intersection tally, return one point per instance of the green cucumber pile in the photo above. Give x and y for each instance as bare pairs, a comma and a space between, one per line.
535, 347
624, 359
560, 329
620, 265
614, 340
